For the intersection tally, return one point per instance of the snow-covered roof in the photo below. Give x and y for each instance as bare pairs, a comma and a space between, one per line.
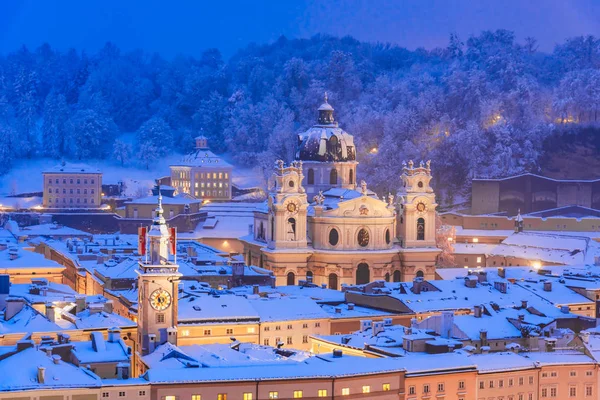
52, 230
99, 350
202, 158
20, 372
166, 200
211, 308
18, 258
274, 309
325, 143
72, 168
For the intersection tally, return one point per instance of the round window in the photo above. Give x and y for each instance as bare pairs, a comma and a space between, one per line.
291, 183
420, 184
387, 236
334, 237
363, 237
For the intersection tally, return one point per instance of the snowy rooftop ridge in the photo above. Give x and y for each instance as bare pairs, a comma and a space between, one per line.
72, 168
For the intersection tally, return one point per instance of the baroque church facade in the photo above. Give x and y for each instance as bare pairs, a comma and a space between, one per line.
319, 225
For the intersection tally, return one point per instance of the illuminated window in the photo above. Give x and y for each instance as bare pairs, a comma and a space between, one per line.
185, 332
251, 330
247, 396
297, 394
475, 240
170, 398
386, 387
478, 260
222, 396
322, 393
345, 391
273, 395
366, 389
196, 397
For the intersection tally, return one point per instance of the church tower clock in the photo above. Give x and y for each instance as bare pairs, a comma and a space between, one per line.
158, 279
287, 206
416, 201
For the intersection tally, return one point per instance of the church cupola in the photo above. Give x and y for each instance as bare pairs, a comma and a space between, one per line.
201, 143
326, 113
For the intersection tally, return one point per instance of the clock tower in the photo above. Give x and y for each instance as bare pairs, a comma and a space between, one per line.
158, 279
287, 206
416, 201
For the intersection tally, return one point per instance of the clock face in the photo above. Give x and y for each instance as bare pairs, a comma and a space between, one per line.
291, 207
160, 300
421, 207
363, 238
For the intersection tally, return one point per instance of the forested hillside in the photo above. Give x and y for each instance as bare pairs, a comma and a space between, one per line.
484, 106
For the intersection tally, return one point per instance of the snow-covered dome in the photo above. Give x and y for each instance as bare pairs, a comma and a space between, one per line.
325, 141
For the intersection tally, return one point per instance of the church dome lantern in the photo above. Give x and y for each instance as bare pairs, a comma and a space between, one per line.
326, 141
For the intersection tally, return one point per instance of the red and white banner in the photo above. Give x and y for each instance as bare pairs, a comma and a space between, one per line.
142, 240
173, 240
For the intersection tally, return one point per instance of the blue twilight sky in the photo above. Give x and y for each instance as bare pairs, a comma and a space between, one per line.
189, 27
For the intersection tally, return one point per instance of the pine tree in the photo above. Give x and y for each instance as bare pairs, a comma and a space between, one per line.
56, 114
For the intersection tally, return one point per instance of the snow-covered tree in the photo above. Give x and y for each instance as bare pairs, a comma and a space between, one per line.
122, 151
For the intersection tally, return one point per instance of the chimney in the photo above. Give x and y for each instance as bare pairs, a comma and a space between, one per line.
255, 289
547, 286
56, 359
471, 281
417, 284
502, 272
13, 253
100, 259
500, 286
585, 337
482, 276
122, 370
338, 310
413, 323
323, 286
564, 309
41, 375
25, 344
273, 284
50, 312
485, 349
114, 335
96, 308
477, 311
521, 317
483, 337
79, 303
523, 304
337, 353
447, 324
387, 322
13, 306
172, 335
350, 306
109, 306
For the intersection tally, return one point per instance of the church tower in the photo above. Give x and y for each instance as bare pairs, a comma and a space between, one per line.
328, 154
416, 200
288, 206
158, 279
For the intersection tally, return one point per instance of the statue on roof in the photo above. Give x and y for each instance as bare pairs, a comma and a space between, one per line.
363, 187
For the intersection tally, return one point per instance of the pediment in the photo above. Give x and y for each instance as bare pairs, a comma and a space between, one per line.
360, 207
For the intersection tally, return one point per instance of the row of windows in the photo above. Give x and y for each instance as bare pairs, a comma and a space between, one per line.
297, 394
440, 388
289, 340
511, 382
554, 374
71, 181
333, 177
552, 392
106, 395
209, 184
228, 331
64, 200
304, 326
202, 175
214, 193
70, 191
362, 237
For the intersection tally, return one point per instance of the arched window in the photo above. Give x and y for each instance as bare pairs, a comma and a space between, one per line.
291, 232
309, 276
273, 228
387, 277
333, 281
420, 229
362, 274
396, 276
334, 237
387, 236
311, 176
351, 177
420, 274
291, 279
333, 177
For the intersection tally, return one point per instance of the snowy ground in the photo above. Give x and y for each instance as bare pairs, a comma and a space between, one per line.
26, 175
